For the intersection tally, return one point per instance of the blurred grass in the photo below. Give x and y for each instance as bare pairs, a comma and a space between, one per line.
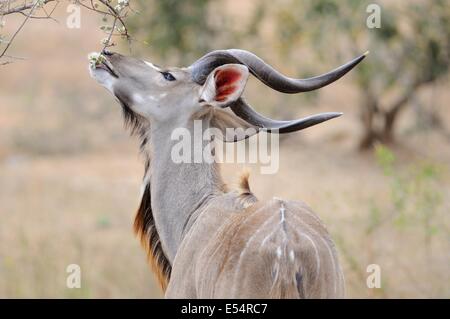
57, 211
70, 182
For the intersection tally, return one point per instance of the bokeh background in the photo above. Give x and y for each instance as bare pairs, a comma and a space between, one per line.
379, 176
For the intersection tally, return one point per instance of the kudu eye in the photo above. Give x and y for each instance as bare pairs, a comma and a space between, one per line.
168, 76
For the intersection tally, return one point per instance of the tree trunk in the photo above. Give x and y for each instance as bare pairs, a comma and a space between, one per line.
386, 120
389, 118
368, 139
383, 134
368, 116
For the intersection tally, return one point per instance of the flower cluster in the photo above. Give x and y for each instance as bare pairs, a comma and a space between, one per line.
95, 59
39, 3
121, 4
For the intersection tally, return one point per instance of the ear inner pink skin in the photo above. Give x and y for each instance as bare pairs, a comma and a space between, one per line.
224, 83
225, 91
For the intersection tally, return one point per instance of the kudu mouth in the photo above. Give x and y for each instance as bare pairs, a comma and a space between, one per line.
101, 61
108, 67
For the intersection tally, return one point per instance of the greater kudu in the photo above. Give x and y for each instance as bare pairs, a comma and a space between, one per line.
203, 240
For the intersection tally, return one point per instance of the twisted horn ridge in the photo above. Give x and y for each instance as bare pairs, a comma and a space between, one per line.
266, 73
248, 114
275, 80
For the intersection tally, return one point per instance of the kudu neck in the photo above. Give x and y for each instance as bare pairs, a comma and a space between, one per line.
180, 184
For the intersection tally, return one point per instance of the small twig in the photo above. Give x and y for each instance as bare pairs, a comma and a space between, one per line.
24, 7
38, 17
14, 57
28, 8
20, 28
108, 40
112, 12
117, 17
93, 9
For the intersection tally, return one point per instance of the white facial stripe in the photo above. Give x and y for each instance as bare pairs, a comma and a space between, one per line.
152, 66
157, 97
137, 98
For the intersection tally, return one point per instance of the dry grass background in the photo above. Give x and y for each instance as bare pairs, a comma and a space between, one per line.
70, 182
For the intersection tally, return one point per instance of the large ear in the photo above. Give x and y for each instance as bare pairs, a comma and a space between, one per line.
230, 127
224, 85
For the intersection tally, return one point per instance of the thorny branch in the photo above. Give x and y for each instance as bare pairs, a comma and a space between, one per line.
37, 9
118, 14
6, 6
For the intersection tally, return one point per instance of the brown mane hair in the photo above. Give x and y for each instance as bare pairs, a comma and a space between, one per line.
144, 223
145, 229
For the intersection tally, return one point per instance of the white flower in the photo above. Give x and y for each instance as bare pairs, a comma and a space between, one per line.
123, 3
95, 58
39, 3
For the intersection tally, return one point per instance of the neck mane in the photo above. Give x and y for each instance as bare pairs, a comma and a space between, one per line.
170, 198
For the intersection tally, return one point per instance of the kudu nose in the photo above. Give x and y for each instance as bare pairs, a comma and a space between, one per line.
107, 53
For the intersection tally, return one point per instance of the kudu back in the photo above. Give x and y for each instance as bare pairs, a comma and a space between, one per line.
204, 240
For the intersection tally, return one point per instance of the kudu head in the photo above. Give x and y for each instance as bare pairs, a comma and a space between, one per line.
216, 81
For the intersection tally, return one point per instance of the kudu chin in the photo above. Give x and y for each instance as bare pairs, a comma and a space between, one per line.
204, 240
